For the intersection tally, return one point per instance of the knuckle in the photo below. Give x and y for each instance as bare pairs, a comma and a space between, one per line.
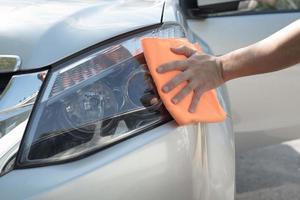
189, 87
194, 84
199, 91
181, 94
198, 95
192, 51
186, 49
177, 79
193, 61
200, 56
189, 74
177, 63
183, 47
186, 75
171, 84
198, 53
169, 66
163, 67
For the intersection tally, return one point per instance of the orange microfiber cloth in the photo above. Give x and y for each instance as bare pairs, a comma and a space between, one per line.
157, 51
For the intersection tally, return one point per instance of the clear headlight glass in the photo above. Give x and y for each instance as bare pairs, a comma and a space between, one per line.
17, 97
15, 107
94, 100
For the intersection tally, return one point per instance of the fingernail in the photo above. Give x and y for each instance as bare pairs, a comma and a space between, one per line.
175, 101
191, 110
175, 48
166, 89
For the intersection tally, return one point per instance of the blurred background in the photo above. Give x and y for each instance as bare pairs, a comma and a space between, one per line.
270, 169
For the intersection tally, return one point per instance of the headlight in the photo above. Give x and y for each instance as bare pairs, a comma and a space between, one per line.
17, 97
94, 100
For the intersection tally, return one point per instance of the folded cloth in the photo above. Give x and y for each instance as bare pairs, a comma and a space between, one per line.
157, 51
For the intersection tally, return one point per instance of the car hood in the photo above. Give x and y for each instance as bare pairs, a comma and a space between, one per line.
42, 32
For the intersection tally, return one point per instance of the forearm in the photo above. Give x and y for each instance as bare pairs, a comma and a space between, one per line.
276, 52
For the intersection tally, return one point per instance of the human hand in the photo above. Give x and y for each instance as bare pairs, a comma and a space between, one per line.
202, 72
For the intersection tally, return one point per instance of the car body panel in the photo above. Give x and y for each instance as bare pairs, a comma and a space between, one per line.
168, 162
264, 107
43, 32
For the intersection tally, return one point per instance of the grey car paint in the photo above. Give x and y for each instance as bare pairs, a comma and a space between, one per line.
164, 163
43, 32
169, 162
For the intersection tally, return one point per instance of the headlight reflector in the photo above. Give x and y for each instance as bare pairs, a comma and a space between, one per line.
96, 99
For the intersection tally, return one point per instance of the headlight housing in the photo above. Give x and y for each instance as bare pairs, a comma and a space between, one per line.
17, 97
93, 100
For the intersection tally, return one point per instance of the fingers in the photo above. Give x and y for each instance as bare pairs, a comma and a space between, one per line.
184, 92
179, 64
170, 66
196, 98
175, 82
184, 50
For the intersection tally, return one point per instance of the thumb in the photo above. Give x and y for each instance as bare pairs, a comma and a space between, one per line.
183, 50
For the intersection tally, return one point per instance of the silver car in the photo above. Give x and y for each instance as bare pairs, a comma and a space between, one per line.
80, 117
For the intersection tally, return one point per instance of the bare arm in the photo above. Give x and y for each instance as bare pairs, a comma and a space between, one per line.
204, 72
276, 52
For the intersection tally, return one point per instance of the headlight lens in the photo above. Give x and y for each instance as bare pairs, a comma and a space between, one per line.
16, 102
94, 100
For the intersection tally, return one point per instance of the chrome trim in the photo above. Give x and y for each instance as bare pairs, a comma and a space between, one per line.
29, 101
12, 62
21, 91
16, 102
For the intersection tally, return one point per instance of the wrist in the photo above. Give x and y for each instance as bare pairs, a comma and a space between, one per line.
227, 66
221, 60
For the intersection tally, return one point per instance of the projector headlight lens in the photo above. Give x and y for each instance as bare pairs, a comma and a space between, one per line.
98, 98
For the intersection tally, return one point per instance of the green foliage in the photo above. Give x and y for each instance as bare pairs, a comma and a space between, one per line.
7, 64
277, 4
